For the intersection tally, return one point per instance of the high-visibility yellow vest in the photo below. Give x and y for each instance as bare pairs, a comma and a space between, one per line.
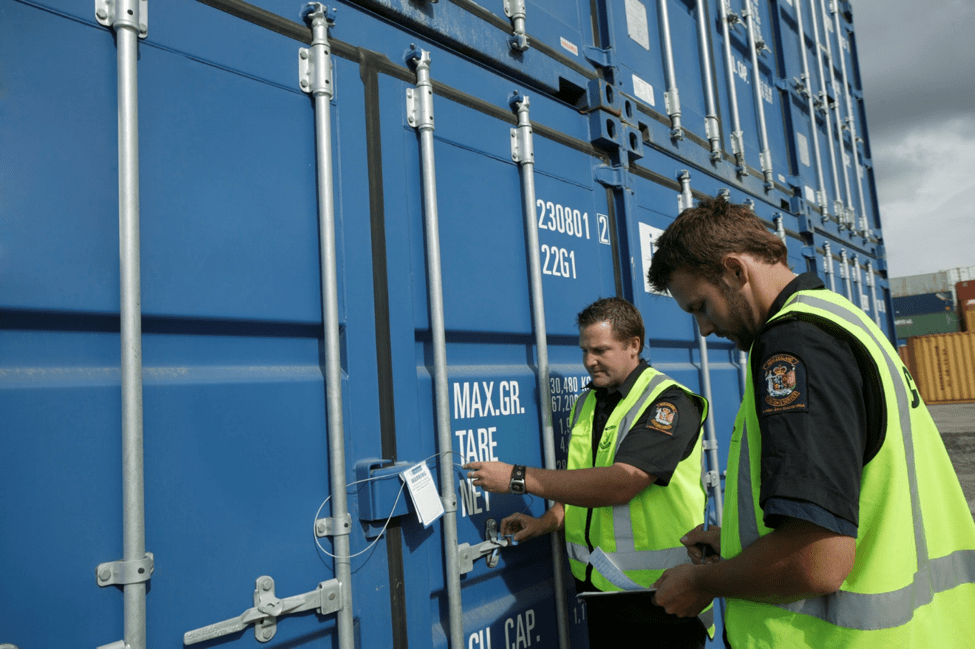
913, 579
641, 537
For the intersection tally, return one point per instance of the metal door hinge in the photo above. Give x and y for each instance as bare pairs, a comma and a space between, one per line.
325, 599
114, 573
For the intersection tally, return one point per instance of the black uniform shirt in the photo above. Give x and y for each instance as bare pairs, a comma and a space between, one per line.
650, 445
819, 416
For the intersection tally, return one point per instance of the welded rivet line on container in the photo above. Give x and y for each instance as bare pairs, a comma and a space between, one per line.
523, 153
129, 20
419, 107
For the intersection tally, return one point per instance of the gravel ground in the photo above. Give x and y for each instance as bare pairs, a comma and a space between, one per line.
956, 423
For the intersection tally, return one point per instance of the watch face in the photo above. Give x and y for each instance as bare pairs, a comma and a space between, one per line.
517, 486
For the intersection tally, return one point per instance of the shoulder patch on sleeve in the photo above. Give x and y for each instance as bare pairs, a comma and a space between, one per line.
782, 386
663, 417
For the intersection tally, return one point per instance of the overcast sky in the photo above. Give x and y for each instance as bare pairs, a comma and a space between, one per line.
917, 62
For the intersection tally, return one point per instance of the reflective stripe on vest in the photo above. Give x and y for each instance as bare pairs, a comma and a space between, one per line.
861, 611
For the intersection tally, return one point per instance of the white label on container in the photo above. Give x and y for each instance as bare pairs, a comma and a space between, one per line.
569, 46
803, 143
864, 302
882, 305
636, 23
423, 493
810, 194
643, 90
648, 244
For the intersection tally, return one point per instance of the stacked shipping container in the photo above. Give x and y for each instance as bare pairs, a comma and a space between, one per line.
323, 288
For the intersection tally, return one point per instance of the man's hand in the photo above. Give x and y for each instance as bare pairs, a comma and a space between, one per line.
696, 539
490, 476
678, 591
525, 527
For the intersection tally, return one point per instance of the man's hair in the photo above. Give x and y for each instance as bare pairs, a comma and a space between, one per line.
623, 316
698, 240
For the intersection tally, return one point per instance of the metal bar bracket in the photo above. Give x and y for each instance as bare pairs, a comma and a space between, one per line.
124, 13
115, 573
467, 554
315, 63
515, 10
522, 144
340, 526
325, 599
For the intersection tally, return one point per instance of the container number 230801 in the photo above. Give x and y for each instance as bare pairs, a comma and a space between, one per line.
561, 262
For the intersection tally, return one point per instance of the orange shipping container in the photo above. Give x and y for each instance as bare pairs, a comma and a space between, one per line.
943, 366
965, 294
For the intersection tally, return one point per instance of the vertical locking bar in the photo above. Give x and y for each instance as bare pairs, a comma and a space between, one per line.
847, 219
828, 266
807, 91
128, 18
845, 274
711, 125
515, 10
523, 153
712, 435
686, 198
317, 62
873, 293
780, 229
420, 108
827, 116
737, 136
850, 118
766, 154
671, 96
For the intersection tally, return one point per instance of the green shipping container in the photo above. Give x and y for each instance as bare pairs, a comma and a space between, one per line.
944, 322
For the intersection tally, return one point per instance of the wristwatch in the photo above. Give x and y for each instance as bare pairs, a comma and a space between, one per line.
517, 483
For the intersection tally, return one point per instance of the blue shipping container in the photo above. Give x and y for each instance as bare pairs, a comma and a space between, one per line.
248, 280
909, 305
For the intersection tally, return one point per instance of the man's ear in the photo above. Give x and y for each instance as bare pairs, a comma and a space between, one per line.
634, 342
735, 270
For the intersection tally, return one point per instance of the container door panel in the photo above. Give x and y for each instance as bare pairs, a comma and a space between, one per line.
494, 405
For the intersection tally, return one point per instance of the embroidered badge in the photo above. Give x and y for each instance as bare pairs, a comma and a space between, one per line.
783, 385
607, 437
664, 417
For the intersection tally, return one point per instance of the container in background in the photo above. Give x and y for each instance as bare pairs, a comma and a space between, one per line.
925, 324
908, 305
943, 367
965, 303
944, 280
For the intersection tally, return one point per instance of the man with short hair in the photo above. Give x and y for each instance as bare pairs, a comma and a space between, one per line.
632, 485
844, 523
